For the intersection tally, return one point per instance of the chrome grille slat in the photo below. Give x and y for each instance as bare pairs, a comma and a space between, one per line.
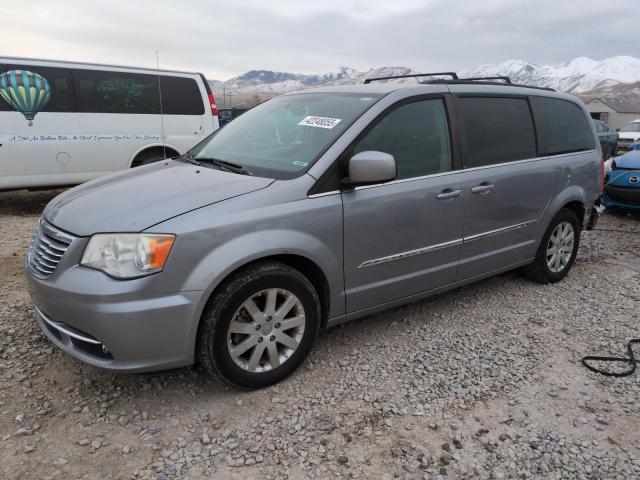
49, 252
50, 243
47, 249
48, 246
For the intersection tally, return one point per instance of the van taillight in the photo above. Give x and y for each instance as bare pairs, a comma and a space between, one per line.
212, 101
602, 174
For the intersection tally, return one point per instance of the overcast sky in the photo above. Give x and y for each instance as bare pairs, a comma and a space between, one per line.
223, 39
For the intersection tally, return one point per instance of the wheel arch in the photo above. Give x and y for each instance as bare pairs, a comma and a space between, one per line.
307, 267
152, 148
574, 198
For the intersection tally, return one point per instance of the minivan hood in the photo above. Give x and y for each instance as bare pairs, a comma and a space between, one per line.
134, 200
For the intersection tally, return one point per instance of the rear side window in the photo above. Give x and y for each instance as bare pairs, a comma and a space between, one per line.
496, 130
60, 85
181, 96
134, 93
417, 135
562, 126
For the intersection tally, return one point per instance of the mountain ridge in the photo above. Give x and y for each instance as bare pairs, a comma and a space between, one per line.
580, 76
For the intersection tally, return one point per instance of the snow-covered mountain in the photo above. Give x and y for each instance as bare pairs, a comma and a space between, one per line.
577, 76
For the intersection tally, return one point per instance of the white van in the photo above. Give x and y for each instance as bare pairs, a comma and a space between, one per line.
64, 123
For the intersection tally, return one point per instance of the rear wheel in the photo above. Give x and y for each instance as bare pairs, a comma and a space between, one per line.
260, 326
558, 249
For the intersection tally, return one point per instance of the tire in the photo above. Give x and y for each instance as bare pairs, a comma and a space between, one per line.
540, 270
265, 329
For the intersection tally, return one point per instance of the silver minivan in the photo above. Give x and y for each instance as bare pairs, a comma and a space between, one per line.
313, 208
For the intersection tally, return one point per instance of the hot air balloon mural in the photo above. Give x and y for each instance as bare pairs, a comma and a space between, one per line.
25, 91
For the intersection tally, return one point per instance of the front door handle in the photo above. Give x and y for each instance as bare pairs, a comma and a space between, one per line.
483, 188
448, 193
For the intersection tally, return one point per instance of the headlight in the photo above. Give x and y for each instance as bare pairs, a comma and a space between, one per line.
127, 255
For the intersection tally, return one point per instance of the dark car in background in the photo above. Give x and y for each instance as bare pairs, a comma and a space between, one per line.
225, 115
608, 138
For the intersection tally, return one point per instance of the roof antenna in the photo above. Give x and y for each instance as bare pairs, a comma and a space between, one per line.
164, 145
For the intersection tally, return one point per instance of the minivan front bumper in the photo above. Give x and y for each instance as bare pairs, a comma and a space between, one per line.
121, 326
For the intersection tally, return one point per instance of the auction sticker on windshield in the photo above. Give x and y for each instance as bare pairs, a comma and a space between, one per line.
321, 122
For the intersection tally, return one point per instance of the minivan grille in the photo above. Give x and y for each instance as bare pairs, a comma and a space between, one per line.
48, 245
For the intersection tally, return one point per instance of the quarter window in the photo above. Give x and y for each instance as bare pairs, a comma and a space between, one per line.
417, 135
562, 126
496, 130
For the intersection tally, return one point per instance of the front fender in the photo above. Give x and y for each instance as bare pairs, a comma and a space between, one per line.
228, 257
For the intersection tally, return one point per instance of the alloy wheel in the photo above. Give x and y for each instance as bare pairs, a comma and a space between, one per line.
560, 247
266, 330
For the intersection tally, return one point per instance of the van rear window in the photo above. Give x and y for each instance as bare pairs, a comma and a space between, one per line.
562, 126
124, 92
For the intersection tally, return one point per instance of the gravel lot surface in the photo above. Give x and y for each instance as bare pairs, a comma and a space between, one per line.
481, 382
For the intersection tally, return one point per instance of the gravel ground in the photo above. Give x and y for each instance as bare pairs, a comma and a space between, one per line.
481, 382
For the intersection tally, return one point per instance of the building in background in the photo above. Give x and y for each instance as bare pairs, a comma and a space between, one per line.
615, 113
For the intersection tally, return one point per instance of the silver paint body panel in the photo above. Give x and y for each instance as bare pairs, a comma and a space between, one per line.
377, 246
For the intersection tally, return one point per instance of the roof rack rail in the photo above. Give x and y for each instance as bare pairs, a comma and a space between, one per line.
455, 80
453, 75
506, 80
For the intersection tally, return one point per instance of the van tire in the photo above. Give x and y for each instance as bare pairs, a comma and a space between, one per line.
540, 270
153, 155
213, 344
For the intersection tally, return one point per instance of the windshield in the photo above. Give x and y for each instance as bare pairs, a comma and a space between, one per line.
282, 137
631, 127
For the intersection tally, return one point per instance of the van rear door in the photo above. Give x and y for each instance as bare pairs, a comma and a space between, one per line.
186, 111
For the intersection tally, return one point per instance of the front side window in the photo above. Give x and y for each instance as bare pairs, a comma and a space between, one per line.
284, 136
496, 130
562, 126
416, 134
54, 95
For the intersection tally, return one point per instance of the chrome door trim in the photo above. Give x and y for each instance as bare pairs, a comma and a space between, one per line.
410, 253
498, 231
323, 194
440, 246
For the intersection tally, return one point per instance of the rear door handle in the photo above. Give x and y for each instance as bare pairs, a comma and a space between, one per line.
483, 188
448, 193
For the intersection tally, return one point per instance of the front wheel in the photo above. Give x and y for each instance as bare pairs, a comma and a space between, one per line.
558, 249
260, 326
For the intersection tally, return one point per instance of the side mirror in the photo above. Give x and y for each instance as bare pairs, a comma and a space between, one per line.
617, 129
371, 167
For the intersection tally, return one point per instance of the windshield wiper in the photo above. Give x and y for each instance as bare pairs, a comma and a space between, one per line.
188, 158
224, 165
